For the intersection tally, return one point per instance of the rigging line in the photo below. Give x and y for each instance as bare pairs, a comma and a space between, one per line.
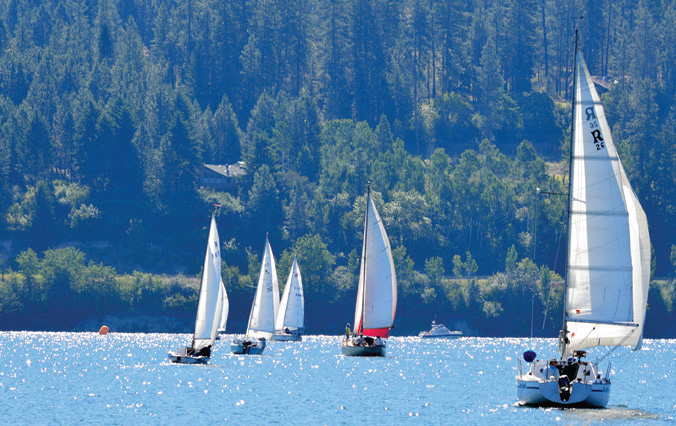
614, 348
626, 359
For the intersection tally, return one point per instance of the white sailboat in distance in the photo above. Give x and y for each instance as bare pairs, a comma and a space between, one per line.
209, 306
225, 309
290, 321
377, 293
608, 263
263, 310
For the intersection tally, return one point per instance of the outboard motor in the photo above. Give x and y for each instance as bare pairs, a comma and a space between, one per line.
564, 388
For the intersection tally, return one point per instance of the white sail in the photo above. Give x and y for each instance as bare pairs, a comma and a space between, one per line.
225, 309
609, 246
210, 302
292, 306
377, 293
266, 303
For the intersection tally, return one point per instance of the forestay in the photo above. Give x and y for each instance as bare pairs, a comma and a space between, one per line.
291, 308
266, 303
377, 293
210, 298
609, 247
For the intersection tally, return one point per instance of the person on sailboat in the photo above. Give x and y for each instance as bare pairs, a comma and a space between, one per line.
347, 331
552, 370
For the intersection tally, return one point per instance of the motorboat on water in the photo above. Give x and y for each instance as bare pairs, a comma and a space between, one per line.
377, 292
607, 266
439, 331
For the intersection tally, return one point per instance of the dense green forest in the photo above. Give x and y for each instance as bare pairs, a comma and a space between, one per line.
456, 111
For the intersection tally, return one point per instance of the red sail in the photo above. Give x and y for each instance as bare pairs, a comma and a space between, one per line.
377, 332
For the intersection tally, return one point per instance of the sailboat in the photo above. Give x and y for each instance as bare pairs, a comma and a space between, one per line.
291, 316
224, 311
607, 268
263, 311
209, 306
377, 293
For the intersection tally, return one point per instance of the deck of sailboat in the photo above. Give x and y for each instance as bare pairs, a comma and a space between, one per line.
588, 389
182, 357
286, 337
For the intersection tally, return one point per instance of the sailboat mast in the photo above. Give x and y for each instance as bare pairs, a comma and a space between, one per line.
364, 250
564, 332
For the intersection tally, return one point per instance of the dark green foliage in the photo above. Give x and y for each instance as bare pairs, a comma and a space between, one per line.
449, 108
34, 151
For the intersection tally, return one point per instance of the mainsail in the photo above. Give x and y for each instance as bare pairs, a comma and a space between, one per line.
210, 299
608, 272
291, 308
266, 303
377, 293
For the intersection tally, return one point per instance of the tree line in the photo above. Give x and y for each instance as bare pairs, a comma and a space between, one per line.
455, 111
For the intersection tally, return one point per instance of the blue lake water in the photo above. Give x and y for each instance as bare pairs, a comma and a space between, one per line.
123, 379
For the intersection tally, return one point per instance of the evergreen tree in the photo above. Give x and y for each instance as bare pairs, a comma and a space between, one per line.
34, 151
519, 48
227, 135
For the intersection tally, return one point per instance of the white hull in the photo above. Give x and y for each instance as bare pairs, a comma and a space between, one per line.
439, 331
441, 336
587, 388
539, 393
238, 347
182, 358
285, 337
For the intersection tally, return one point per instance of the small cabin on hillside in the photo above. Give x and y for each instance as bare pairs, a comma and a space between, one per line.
222, 177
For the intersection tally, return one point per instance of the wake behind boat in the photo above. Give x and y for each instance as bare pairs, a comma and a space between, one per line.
439, 331
263, 311
377, 293
607, 267
209, 307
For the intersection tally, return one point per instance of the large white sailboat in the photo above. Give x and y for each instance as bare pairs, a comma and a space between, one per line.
209, 307
291, 316
608, 264
377, 293
263, 311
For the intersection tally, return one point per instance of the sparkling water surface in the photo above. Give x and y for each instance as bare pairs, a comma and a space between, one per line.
123, 379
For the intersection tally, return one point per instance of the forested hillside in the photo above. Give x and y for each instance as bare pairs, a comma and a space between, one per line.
455, 110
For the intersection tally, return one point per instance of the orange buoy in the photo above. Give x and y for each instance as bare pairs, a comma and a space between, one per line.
104, 330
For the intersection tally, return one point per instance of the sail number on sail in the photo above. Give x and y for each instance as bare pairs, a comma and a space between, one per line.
594, 124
